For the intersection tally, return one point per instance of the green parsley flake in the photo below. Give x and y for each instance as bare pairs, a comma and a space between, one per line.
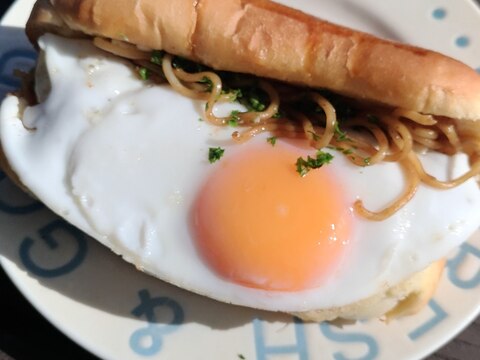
234, 118
366, 161
272, 140
315, 136
157, 57
344, 151
304, 166
240, 356
207, 82
214, 154
341, 135
144, 73
235, 94
256, 104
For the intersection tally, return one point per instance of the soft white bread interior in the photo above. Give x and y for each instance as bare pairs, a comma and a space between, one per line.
405, 298
266, 39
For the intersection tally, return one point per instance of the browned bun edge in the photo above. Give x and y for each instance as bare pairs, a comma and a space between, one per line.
403, 299
44, 19
266, 39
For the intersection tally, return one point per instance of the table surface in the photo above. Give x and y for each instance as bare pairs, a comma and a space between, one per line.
25, 334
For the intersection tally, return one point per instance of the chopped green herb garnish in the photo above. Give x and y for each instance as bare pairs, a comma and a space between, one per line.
315, 135
144, 73
272, 140
366, 161
254, 98
256, 104
235, 94
234, 118
341, 135
278, 115
157, 57
214, 154
240, 356
207, 82
342, 150
304, 166
200, 119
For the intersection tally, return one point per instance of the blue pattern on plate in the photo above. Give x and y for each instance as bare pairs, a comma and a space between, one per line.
439, 13
14, 56
27, 207
462, 41
53, 236
342, 336
154, 331
298, 345
438, 317
455, 264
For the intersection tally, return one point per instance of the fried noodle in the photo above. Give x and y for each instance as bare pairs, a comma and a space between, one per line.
373, 135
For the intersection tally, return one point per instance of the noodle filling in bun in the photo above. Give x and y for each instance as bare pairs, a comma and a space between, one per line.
367, 133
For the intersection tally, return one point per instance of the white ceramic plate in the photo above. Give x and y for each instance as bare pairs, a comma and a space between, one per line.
118, 313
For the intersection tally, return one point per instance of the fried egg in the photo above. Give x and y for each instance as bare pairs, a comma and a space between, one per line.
127, 162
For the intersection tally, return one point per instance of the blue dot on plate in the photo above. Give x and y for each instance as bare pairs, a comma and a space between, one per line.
462, 41
439, 13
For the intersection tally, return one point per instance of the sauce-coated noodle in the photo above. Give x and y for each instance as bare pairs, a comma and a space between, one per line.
373, 135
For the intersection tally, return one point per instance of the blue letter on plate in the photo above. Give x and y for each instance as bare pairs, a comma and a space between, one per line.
439, 316
263, 350
454, 264
47, 235
154, 331
344, 337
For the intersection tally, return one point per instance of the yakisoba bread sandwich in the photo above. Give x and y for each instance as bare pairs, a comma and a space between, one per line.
250, 152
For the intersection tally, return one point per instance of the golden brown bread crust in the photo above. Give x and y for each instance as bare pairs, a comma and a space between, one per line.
270, 40
44, 19
155, 24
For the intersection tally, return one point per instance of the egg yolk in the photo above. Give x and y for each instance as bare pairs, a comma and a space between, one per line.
258, 223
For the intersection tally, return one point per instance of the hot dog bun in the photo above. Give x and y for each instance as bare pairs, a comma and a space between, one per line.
269, 40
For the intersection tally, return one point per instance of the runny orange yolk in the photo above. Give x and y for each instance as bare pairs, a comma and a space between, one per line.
258, 223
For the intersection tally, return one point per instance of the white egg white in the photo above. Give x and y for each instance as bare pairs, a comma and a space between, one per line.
123, 160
